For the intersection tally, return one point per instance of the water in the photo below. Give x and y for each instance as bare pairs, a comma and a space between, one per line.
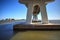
55, 21
9, 26
6, 30
7, 33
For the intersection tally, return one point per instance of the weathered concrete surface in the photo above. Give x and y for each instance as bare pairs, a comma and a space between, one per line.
36, 27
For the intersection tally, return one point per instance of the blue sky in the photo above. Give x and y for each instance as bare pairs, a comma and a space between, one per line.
16, 10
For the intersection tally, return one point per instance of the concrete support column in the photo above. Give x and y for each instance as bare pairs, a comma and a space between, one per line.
35, 18
29, 13
44, 13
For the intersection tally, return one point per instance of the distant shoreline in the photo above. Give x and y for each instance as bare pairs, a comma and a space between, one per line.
9, 22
